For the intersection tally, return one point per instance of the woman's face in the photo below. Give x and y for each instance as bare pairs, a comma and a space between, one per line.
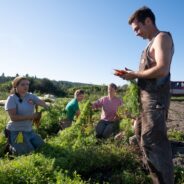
23, 87
80, 97
111, 91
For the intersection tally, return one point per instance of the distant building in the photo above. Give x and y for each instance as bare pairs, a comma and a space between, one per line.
177, 88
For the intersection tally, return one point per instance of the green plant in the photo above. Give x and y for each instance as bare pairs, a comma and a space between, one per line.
131, 100
126, 127
176, 135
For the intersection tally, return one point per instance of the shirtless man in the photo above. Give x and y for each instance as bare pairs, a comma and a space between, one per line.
154, 84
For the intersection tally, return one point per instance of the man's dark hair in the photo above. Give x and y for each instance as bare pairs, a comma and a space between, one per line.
141, 14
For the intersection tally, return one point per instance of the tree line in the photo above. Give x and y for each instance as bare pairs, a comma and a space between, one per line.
47, 86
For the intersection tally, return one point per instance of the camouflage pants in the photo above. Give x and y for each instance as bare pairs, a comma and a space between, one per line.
152, 135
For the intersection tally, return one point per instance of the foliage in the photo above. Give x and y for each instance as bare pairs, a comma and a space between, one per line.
179, 175
51, 118
131, 100
5, 90
45, 86
73, 147
74, 155
126, 127
34, 168
176, 135
3, 121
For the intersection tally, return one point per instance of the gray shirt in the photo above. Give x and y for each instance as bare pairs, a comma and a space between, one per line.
26, 107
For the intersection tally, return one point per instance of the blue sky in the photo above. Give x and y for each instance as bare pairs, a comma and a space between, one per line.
81, 40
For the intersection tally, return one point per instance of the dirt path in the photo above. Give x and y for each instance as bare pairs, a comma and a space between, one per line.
176, 121
176, 116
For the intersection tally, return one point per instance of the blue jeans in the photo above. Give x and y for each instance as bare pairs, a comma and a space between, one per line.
31, 141
105, 129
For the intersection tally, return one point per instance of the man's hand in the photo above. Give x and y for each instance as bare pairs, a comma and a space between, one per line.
129, 76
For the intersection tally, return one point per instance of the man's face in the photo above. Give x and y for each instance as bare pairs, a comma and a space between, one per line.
139, 28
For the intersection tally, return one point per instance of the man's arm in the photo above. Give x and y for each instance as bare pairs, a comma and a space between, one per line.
161, 52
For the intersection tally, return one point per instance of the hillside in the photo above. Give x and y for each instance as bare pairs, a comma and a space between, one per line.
47, 86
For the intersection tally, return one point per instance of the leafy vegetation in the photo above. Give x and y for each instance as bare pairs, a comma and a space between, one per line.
176, 135
74, 155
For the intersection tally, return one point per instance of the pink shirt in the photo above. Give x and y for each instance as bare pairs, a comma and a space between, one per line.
109, 107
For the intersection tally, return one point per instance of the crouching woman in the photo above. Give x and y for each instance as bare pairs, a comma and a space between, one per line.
109, 123
20, 107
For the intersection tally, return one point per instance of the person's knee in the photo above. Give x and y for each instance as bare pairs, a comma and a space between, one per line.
37, 141
99, 128
108, 132
21, 148
116, 127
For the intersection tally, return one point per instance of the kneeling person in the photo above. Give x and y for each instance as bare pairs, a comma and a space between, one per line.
20, 107
109, 123
72, 108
